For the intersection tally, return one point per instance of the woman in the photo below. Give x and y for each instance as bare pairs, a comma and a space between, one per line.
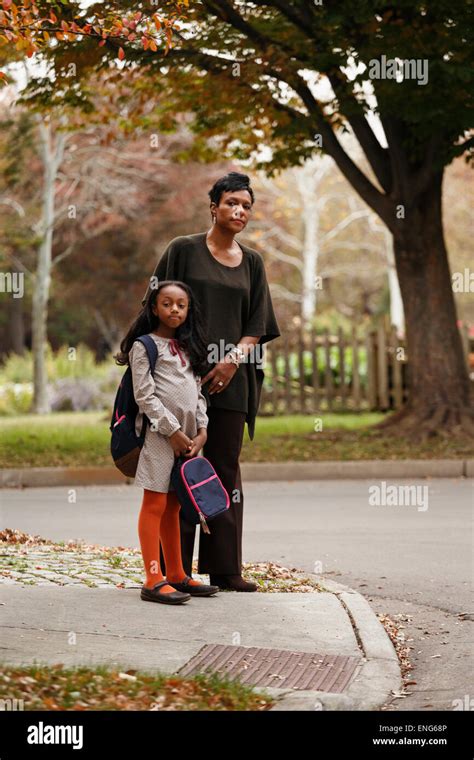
228, 279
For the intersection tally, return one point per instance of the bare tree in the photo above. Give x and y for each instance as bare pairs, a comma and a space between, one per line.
52, 153
309, 203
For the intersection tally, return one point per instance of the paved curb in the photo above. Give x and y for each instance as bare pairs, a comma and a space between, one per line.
34, 477
37, 477
378, 674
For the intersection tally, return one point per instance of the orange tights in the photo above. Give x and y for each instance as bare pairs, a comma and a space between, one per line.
159, 521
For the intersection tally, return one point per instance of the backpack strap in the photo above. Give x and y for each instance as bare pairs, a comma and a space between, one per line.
151, 349
152, 353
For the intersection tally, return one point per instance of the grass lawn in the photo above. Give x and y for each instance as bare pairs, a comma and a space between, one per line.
59, 688
82, 438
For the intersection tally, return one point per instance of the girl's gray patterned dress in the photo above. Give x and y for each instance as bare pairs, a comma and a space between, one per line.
172, 399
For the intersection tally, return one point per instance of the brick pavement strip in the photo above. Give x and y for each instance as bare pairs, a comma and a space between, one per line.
33, 560
41, 565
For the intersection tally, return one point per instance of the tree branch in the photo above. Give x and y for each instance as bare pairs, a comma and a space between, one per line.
277, 254
303, 23
376, 155
344, 223
222, 10
279, 291
284, 236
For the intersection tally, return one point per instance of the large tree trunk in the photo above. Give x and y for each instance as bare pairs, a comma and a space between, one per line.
41, 404
39, 316
439, 385
17, 326
52, 157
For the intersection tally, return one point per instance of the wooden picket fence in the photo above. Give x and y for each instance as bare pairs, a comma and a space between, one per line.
307, 372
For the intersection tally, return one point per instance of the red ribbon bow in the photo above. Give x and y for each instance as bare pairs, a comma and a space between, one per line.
174, 348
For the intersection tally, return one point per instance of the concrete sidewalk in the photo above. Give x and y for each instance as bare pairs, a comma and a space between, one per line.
76, 625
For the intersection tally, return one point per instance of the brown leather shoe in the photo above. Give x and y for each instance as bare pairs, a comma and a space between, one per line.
233, 583
172, 597
201, 590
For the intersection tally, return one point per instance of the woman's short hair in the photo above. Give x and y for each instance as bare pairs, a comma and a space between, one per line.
230, 181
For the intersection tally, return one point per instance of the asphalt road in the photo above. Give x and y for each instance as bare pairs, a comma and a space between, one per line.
412, 561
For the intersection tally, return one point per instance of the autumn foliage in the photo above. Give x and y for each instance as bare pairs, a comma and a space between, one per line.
30, 27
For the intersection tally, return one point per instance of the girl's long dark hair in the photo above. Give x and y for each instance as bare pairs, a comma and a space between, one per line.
190, 335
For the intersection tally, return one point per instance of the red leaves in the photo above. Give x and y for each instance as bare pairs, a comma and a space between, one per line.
26, 27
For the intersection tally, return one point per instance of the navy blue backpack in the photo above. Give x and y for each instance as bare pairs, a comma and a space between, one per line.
199, 490
125, 444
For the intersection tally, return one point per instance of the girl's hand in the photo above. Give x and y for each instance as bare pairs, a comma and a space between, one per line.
180, 442
198, 442
222, 372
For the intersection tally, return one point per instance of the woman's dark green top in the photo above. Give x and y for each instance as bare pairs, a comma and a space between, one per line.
235, 301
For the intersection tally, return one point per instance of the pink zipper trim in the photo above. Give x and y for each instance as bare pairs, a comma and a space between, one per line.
196, 505
119, 420
196, 485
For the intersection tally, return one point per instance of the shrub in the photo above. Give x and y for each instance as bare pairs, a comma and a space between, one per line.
19, 368
77, 395
15, 398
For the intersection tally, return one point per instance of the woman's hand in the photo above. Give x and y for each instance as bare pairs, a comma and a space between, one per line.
222, 372
180, 442
198, 442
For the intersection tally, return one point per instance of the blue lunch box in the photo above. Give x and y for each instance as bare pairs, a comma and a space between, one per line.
199, 490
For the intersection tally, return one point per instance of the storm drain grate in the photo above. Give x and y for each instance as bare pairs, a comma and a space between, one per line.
257, 666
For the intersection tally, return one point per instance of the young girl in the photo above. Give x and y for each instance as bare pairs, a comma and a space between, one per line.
173, 402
